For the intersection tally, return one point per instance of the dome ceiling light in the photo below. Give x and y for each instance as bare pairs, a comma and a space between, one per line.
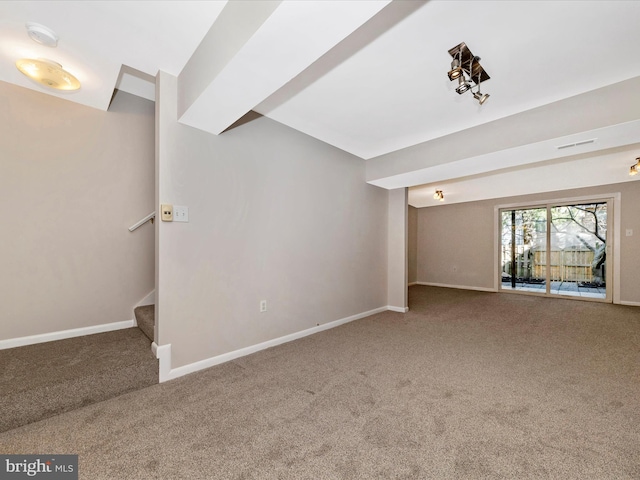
48, 73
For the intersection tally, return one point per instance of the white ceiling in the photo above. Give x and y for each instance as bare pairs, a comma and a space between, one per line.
394, 92
368, 77
98, 37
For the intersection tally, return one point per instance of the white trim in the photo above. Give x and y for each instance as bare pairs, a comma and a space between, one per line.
398, 309
617, 233
163, 354
497, 274
461, 287
168, 373
560, 201
412, 284
150, 299
629, 304
64, 334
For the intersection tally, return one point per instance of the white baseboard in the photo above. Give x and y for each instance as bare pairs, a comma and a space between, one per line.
461, 287
150, 299
630, 304
76, 332
168, 373
398, 309
163, 354
412, 284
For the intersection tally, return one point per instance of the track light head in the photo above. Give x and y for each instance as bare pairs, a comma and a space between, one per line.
438, 195
455, 71
463, 86
481, 97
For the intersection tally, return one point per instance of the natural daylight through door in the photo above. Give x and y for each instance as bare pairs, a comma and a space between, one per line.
555, 250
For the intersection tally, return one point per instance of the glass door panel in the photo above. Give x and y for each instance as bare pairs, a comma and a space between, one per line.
523, 249
578, 240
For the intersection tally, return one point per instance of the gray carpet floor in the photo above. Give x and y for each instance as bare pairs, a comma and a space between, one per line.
465, 385
46, 379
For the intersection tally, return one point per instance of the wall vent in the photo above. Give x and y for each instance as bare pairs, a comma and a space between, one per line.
577, 144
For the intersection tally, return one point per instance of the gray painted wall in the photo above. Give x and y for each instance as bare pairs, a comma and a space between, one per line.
274, 215
75, 178
456, 242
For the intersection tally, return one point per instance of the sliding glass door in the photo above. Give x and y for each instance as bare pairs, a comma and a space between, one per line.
556, 249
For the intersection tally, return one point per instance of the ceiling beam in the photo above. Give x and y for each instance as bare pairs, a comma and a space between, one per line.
609, 114
264, 45
578, 171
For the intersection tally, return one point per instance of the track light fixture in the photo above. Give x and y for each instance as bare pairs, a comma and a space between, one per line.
466, 68
438, 195
635, 169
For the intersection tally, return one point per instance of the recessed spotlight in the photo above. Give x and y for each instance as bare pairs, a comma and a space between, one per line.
48, 73
41, 34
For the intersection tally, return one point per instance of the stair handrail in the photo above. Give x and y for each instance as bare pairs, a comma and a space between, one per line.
141, 222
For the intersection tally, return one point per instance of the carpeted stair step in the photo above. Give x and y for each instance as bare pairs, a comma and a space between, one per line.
145, 316
46, 379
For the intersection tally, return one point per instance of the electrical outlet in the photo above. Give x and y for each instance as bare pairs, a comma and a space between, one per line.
166, 211
180, 213
263, 306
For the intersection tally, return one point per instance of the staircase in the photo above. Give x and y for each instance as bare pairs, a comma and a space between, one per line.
145, 316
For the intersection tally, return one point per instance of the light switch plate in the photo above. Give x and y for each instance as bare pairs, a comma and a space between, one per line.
166, 211
180, 213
